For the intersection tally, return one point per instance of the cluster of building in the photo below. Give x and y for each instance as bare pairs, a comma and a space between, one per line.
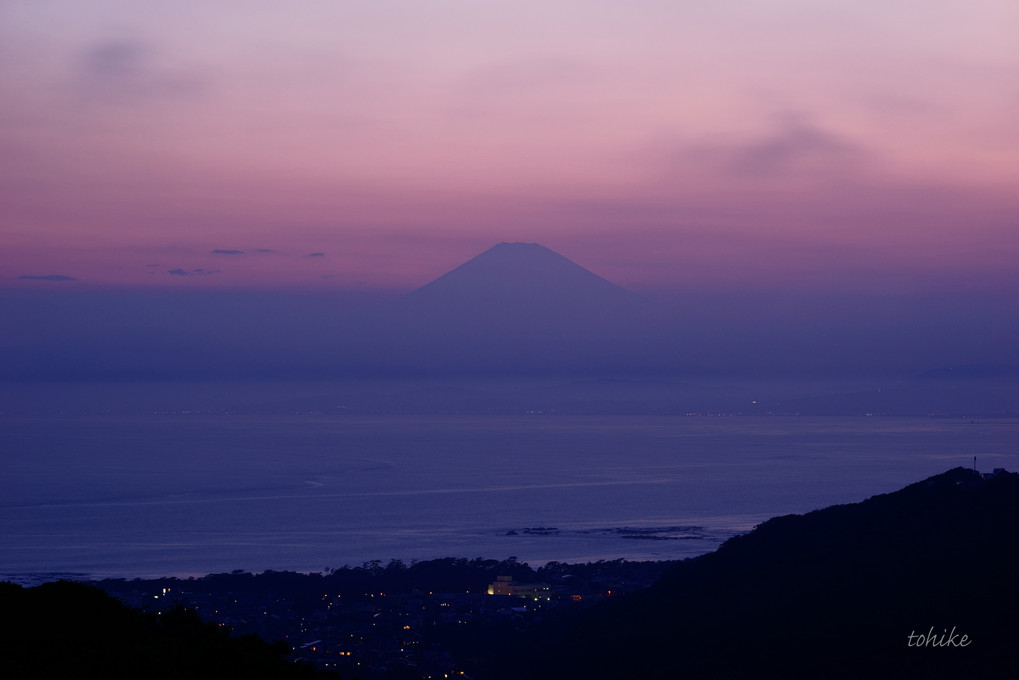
415, 634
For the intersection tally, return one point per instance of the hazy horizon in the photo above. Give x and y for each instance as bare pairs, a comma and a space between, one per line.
516, 329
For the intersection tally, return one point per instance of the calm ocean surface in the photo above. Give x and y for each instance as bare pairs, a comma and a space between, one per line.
177, 495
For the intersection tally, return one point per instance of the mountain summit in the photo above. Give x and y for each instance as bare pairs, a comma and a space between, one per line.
515, 274
519, 308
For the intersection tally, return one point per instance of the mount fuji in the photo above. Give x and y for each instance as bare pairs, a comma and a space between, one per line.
522, 275
521, 305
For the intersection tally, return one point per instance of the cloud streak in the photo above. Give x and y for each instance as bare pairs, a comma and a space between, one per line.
795, 148
48, 277
192, 272
128, 71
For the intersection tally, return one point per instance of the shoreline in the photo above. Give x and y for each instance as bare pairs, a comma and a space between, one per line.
32, 579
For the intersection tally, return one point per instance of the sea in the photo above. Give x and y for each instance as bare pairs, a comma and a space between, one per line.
188, 495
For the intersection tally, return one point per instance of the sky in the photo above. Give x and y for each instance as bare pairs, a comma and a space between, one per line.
854, 147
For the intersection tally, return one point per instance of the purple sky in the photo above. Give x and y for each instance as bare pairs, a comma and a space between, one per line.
833, 145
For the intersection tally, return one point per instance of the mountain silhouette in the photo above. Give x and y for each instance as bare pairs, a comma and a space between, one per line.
521, 308
521, 275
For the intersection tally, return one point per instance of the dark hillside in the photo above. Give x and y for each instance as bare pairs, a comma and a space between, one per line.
69, 630
835, 593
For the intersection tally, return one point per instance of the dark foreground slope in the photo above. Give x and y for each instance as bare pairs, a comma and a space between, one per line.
69, 630
836, 593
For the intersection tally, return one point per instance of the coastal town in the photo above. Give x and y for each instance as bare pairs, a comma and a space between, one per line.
433, 619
